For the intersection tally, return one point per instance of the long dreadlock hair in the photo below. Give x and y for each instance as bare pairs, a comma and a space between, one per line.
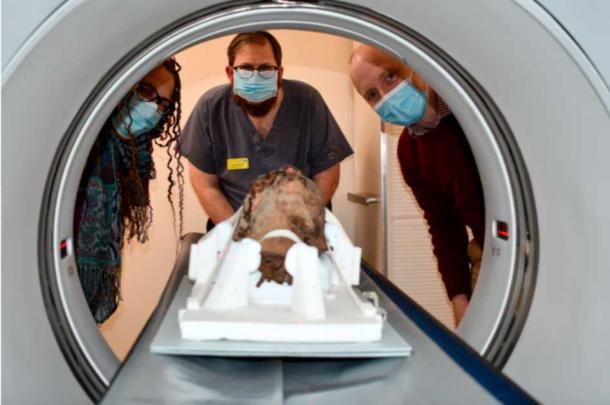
135, 209
169, 140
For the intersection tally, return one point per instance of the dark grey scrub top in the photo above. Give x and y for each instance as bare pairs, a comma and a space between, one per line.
304, 134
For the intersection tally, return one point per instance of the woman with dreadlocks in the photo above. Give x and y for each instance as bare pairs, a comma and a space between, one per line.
113, 202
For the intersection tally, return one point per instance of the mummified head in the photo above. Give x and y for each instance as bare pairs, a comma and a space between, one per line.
282, 199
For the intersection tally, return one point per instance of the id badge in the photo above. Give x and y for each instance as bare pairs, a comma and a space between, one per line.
238, 163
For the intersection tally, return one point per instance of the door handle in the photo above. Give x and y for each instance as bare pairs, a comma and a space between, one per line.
363, 198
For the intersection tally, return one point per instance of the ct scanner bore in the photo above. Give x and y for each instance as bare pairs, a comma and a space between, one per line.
512, 116
485, 335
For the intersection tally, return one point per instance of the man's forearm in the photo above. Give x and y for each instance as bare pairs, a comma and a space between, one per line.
210, 196
214, 204
328, 180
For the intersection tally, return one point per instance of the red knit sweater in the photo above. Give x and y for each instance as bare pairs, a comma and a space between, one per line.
440, 169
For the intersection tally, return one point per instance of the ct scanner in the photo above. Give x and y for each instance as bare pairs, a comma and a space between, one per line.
528, 80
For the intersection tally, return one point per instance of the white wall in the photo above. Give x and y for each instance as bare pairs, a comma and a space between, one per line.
318, 59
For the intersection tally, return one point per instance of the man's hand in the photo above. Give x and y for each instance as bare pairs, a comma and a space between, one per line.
328, 180
460, 305
210, 196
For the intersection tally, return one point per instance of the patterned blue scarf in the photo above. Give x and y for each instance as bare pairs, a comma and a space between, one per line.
99, 223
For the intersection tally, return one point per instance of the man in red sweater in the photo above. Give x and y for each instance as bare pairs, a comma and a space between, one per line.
436, 162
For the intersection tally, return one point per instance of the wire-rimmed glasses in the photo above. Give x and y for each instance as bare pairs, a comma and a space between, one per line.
247, 71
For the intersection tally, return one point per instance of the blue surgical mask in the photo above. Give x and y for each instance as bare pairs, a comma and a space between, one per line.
404, 105
255, 88
136, 117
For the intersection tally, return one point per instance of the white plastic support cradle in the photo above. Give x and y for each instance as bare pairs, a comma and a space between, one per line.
319, 306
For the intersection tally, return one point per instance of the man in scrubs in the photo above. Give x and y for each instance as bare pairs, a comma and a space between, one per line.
257, 123
436, 162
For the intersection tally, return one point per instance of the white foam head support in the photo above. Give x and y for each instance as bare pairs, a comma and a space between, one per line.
303, 263
223, 231
333, 234
329, 217
204, 254
230, 290
283, 233
203, 257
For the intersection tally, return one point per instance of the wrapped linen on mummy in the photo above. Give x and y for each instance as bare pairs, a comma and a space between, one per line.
283, 199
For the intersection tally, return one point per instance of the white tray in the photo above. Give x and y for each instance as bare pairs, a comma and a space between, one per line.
169, 341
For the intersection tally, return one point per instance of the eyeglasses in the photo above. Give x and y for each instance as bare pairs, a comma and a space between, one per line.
148, 93
247, 71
